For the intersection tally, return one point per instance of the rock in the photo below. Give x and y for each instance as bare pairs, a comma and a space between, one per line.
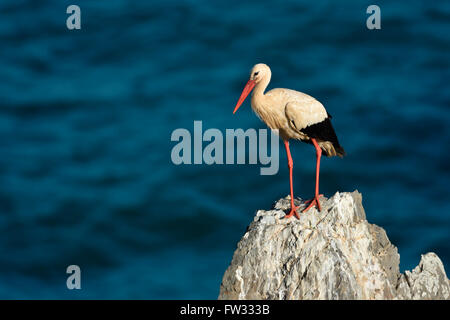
332, 254
427, 281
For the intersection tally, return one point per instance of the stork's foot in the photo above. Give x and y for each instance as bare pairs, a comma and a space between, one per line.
313, 202
293, 212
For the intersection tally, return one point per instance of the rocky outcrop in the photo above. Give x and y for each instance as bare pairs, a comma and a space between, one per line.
332, 254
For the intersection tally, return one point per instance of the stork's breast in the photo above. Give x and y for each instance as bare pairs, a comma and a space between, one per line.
272, 117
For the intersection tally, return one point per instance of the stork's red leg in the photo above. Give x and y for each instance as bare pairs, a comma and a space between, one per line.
315, 200
290, 165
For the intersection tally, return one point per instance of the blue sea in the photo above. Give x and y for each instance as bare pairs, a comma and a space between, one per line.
86, 117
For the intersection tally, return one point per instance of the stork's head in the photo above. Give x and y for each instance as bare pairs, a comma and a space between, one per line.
260, 72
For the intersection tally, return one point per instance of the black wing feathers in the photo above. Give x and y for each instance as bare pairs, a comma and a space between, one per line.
324, 131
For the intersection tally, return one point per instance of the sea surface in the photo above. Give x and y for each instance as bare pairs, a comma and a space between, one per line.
86, 117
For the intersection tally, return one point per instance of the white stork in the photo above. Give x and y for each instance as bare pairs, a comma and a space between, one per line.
296, 115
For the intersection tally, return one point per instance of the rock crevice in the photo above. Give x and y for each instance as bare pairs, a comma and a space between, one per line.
332, 254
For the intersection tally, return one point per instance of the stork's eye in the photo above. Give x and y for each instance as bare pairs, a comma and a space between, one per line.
256, 73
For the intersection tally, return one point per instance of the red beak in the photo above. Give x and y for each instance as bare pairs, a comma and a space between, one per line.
248, 88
